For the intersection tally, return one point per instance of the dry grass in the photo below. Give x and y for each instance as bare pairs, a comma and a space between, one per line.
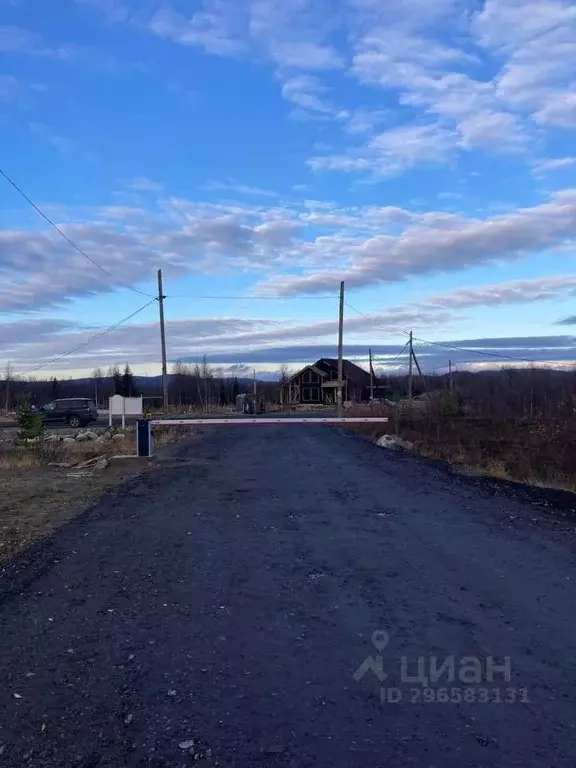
36, 499
14, 456
537, 453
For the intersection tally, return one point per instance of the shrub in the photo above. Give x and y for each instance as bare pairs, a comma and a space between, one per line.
31, 423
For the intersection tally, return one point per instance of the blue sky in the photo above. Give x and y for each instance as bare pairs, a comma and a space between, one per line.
422, 152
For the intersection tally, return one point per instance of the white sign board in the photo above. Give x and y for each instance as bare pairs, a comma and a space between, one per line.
124, 406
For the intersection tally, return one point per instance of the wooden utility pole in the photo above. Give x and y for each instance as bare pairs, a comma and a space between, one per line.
254, 369
161, 298
371, 376
340, 348
410, 373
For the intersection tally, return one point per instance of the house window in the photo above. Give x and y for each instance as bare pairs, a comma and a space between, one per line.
309, 377
310, 395
334, 375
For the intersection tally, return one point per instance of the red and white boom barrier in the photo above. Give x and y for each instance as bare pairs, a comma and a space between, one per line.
145, 437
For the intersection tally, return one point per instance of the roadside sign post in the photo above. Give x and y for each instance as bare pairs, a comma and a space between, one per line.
124, 406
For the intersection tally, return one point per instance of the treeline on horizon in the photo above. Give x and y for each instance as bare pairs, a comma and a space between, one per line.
495, 393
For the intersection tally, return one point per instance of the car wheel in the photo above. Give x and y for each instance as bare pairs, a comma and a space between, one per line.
74, 422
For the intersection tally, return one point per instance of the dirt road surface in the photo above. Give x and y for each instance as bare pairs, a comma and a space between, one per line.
215, 614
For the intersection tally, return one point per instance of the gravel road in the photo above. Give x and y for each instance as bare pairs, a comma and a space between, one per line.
215, 612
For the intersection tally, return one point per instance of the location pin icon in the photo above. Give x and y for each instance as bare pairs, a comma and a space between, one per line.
380, 639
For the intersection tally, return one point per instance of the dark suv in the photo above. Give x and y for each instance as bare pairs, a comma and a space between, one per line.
77, 412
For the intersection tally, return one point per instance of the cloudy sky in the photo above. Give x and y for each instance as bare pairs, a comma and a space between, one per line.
260, 151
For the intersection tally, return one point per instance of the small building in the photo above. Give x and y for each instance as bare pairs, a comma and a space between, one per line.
249, 403
317, 384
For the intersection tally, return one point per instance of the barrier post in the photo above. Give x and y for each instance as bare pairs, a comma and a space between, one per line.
144, 438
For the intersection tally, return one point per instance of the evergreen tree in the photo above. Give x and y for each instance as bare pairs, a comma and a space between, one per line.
54, 389
128, 383
117, 381
31, 423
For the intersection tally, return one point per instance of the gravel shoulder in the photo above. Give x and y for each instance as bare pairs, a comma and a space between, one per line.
214, 612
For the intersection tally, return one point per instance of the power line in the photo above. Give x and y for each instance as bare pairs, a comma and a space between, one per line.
254, 298
67, 239
448, 346
392, 359
88, 341
474, 351
381, 327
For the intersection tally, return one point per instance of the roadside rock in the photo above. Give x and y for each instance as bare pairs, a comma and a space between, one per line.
68, 440
101, 464
394, 443
389, 441
119, 436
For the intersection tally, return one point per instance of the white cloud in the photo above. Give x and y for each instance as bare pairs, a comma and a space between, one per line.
32, 342
494, 130
242, 189
304, 55
559, 109
512, 292
440, 242
310, 95
218, 28
363, 245
393, 152
554, 164
365, 121
537, 39
421, 70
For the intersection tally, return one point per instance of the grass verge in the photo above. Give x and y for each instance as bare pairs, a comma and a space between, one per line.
530, 451
36, 499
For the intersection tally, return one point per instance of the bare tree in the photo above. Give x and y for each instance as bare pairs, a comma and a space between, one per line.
97, 375
7, 381
207, 376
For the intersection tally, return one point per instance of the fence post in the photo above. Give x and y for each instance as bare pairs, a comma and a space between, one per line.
144, 438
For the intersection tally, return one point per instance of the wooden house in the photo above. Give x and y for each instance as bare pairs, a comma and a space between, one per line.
317, 384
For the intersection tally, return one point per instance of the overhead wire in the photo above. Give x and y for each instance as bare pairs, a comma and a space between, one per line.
87, 341
68, 239
472, 351
254, 298
392, 359
449, 346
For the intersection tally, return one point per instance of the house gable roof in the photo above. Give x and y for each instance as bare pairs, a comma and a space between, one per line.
321, 367
320, 373
350, 370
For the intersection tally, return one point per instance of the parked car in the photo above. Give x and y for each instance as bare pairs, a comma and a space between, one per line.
76, 412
